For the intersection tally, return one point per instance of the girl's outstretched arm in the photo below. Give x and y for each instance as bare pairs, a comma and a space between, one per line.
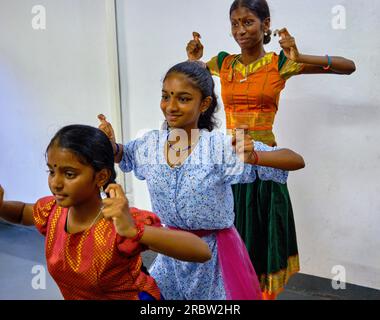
177, 244
16, 212
180, 245
284, 159
314, 64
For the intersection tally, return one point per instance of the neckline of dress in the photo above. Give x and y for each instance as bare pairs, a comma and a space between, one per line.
237, 59
194, 150
80, 233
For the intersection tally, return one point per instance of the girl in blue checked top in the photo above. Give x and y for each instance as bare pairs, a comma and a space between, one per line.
189, 170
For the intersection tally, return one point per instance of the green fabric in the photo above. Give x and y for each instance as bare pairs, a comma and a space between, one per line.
221, 56
264, 219
282, 59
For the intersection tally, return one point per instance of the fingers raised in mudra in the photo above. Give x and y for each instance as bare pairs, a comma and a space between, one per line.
195, 48
106, 127
242, 143
116, 207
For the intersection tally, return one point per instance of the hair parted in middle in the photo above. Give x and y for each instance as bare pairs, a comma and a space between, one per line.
201, 79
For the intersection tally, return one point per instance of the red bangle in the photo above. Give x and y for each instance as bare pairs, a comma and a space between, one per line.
140, 227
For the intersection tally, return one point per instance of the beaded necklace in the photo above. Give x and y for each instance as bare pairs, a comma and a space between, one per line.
177, 150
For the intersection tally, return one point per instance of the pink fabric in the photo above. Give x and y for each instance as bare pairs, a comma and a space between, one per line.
239, 276
240, 280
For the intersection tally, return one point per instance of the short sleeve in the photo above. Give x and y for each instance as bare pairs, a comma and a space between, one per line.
231, 169
129, 247
215, 64
41, 213
268, 173
288, 68
235, 171
138, 155
238, 172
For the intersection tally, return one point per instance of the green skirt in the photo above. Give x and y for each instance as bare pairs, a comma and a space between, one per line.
264, 219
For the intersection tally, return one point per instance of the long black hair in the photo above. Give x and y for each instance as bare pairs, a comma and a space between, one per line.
89, 144
201, 78
258, 7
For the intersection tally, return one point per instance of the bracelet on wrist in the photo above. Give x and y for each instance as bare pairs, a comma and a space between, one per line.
329, 63
140, 228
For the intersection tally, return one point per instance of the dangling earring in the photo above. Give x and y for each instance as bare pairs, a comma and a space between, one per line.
103, 195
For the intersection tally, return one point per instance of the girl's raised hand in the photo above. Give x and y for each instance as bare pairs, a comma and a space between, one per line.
116, 207
288, 44
243, 144
106, 127
194, 48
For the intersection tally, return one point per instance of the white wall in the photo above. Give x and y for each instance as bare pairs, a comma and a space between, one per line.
49, 78
331, 120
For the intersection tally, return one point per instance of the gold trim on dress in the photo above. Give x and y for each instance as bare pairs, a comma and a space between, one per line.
274, 283
213, 66
290, 68
245, 71
255, 120
259, 124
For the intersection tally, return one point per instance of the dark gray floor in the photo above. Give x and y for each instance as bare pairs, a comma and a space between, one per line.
22, 260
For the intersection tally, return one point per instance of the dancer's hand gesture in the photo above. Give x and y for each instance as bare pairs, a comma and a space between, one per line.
194, 48
116, 207
107, 128
288, 44
243, 145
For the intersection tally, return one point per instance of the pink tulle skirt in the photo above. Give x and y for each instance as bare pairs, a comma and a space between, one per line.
239, 276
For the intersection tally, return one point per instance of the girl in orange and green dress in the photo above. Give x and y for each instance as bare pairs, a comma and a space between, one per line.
251, 84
